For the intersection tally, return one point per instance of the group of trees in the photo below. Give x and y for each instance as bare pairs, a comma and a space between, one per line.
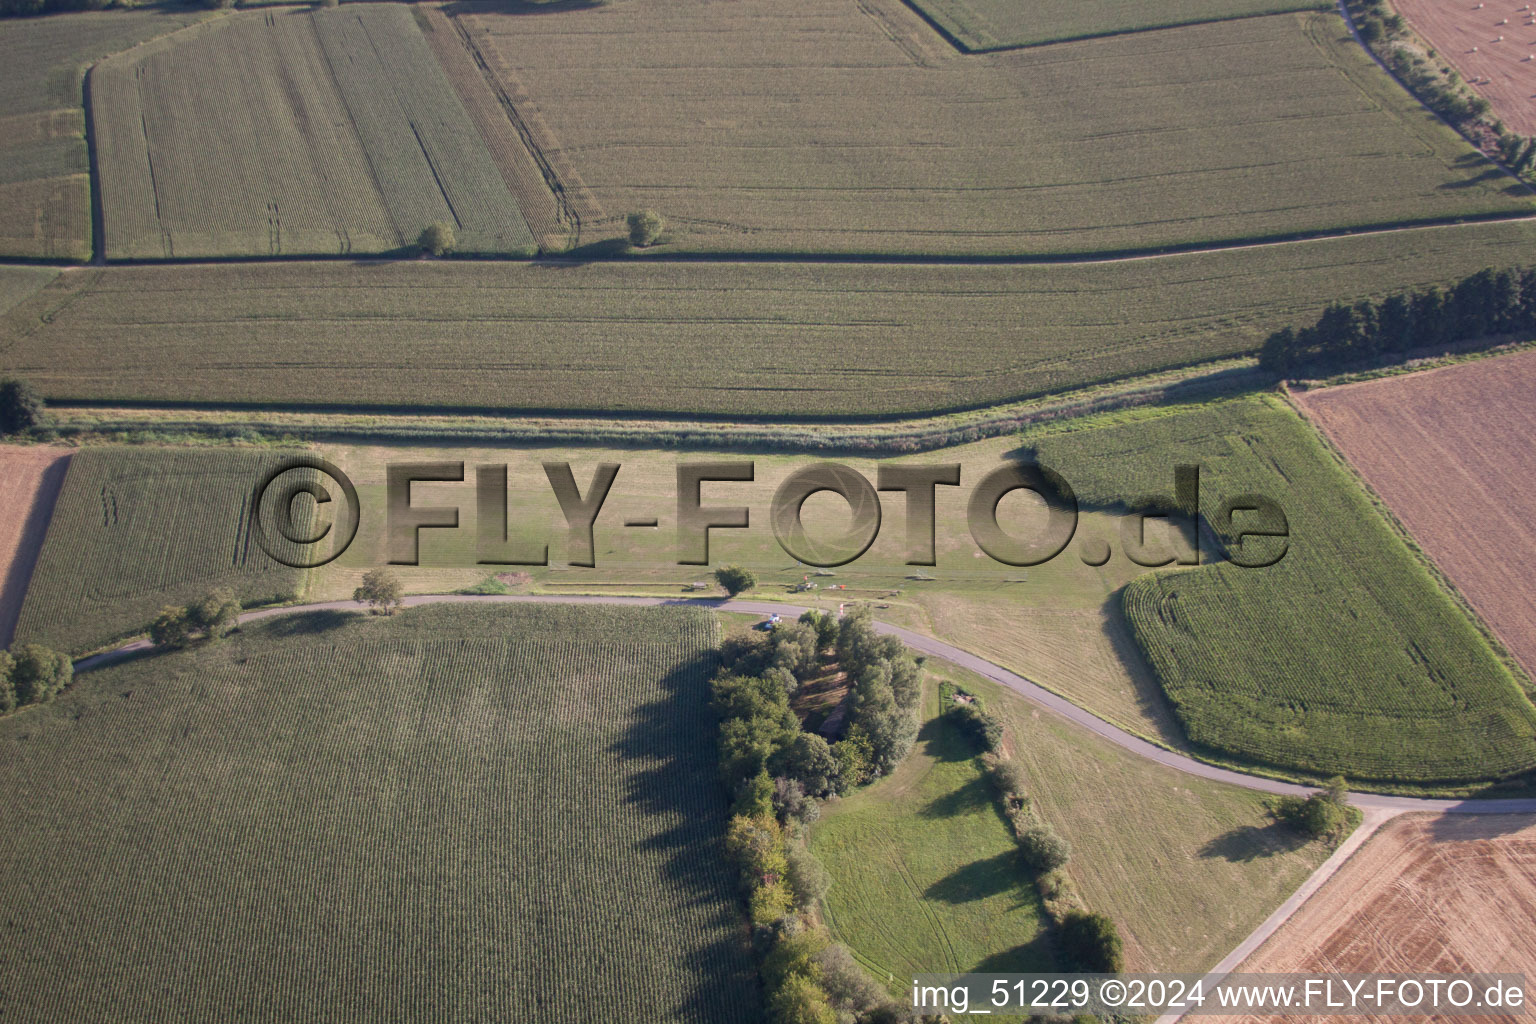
776, 773
211, 617
1486, 304
1323, 813
1087, 941
32, 674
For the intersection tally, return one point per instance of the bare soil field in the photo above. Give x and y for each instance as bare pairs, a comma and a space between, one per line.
829, 126
1491, 45
30, 479
1449, 450
1430, 892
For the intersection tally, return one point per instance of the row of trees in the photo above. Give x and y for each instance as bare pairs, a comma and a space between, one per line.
32, 674
1087, 941
1486, 304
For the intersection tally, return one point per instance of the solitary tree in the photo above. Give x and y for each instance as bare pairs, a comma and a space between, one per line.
381, 590
645, 227
437, 238
735, 579
20, 408
38, 674
1091, 942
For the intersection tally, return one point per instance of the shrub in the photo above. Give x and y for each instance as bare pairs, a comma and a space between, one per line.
1091, 943
1008, 776
981, 727
1318, 815
381, 591
791, 803
1040, 846
20, 408
808, 878
734, 579
216, 614
7, 688
770, 902
755, 798
437, 238
645, 227
170, 628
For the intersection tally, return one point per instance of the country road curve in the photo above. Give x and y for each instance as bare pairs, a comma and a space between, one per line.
923, 644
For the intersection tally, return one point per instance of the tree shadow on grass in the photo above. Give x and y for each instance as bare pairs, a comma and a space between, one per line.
973, 796
943, 742
1037, 956
1003, 872
1248, 843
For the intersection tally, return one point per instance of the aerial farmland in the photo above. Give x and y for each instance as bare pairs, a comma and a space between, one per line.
724, 512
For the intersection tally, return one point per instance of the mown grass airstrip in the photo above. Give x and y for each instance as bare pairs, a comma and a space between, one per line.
833, 127
449, 815
778, 340
45, 191
998, 24
282, 132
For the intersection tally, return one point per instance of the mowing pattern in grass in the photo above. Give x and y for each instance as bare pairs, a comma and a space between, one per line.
778, 340
993, 24
1345, 657
807, 127
926, 875
457, 814
45, 191
138, 528
275, 133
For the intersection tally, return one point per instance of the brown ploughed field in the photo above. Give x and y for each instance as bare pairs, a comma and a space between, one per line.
30, 479
1450, 452
1498, 60
1429, 893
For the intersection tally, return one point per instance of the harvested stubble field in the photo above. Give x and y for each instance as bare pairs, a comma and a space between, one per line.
1449, 451
454, 814
828, 127
138, 528
1344, 657
45, 191
722, 339
1450, 894
292, 132
30, 479
1470, 38
998, 24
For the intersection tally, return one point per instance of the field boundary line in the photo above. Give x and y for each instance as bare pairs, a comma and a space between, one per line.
923, 644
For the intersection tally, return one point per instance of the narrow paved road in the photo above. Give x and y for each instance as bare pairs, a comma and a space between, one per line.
937, 648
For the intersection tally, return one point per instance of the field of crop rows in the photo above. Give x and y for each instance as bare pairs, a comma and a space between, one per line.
45, 191
1345, 657
779, 340
818, 128
283, 132
992, 24
457, 814
138, 528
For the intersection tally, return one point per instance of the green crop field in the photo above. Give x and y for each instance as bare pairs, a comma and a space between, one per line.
138, 528
1346, 656
45, 191
828, 126
453, 814
728, 340
283, 132
997, 24
18, 283
926, 873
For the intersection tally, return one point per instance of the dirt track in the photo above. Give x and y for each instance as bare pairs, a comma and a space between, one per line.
1450, 452
1430, 892
1455, 27
30, 479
